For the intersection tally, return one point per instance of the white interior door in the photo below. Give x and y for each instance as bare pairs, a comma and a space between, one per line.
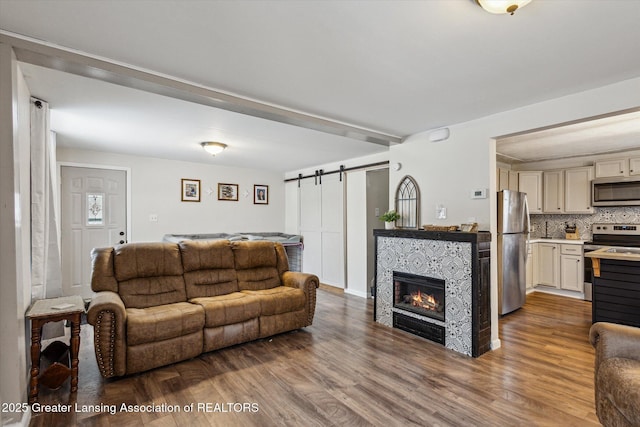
322, 228
310, 198
333, 269
93, 214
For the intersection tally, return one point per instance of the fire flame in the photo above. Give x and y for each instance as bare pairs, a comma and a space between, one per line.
424, 301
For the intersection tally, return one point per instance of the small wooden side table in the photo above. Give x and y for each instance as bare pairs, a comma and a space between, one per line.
60, 364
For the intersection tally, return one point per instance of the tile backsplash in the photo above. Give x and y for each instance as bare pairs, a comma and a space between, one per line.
555, 223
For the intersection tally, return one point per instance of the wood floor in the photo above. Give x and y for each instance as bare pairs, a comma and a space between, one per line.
346, 370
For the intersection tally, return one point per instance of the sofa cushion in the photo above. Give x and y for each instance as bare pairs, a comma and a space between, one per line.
209, 268
162, 322
102, 275
259, 264
618, 381
149, 274
278, 300
228, 309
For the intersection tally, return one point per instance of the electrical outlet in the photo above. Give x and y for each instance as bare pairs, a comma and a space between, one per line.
377, 212
153, 218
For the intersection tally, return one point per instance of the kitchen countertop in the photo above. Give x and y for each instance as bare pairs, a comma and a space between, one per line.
565, 241
616, 252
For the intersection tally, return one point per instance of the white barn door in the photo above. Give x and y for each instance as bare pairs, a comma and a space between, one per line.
322, 223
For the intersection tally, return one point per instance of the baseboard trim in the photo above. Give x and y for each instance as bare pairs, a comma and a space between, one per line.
496, 344
360, 294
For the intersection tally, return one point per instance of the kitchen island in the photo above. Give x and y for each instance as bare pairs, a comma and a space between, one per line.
616, 285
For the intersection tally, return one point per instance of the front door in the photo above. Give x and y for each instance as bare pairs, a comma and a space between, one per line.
93, 214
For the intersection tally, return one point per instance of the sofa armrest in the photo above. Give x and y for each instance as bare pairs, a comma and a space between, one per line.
308, 283
108, 316
613, 340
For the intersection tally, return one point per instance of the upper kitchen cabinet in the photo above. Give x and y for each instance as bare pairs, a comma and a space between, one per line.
507, 179
634, 166
530, 182
618, 167
503, 179
553, 191
578, 190
615, 167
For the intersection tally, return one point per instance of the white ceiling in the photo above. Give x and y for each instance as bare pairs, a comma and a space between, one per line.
393, 66
611, 134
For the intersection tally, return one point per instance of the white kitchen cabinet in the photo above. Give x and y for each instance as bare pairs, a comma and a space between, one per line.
507, 179
548, 268
610, 168
530, 279
530, 182
571, 269
513, 180
503, 179
634, 166
553, 191
577, 193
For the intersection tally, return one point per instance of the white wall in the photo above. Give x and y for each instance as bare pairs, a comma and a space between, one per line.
447, 171
156, 187
356, 232
15, 280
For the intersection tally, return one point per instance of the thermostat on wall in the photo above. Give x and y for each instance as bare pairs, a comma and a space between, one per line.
479, 194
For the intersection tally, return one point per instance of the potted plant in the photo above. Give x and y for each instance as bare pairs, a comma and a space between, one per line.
389, 219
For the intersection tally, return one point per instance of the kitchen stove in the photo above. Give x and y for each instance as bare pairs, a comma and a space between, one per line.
616, 235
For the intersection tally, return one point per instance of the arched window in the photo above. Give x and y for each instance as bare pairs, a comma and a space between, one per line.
408, 203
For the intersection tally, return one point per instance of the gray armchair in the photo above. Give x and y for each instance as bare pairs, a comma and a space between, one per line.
617, 373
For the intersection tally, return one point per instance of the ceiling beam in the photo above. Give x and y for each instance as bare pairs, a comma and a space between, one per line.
74, 62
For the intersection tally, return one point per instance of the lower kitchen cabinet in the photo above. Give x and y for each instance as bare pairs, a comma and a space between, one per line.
548, 268
558, 266
532, 270
571, 273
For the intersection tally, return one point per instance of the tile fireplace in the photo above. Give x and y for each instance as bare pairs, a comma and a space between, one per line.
435, 285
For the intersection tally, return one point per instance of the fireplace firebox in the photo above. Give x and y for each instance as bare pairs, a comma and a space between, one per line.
419, 294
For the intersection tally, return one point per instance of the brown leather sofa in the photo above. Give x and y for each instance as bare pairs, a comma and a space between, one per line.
160, 303
617, 373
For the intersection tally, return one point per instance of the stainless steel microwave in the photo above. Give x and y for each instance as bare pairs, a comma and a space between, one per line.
616, 191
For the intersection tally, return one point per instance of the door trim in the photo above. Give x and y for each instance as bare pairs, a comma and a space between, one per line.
127, 171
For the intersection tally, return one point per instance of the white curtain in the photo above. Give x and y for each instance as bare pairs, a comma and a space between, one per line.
46, 274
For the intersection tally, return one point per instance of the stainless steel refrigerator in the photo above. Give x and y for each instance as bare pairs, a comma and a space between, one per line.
513, 232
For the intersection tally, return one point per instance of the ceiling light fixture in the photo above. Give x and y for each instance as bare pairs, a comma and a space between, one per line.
502, 6
213, 148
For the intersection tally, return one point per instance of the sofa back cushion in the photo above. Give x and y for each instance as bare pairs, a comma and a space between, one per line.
209, 268
149, 274
259, 264
102, 274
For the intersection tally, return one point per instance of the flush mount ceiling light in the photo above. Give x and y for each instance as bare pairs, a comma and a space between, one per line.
213, 148
502, 6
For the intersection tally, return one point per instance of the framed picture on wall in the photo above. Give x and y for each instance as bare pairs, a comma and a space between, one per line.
228, 192
190, 190
260, 194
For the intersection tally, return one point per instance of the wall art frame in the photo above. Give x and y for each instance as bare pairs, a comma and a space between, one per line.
260, 194
228, 192
190, 190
